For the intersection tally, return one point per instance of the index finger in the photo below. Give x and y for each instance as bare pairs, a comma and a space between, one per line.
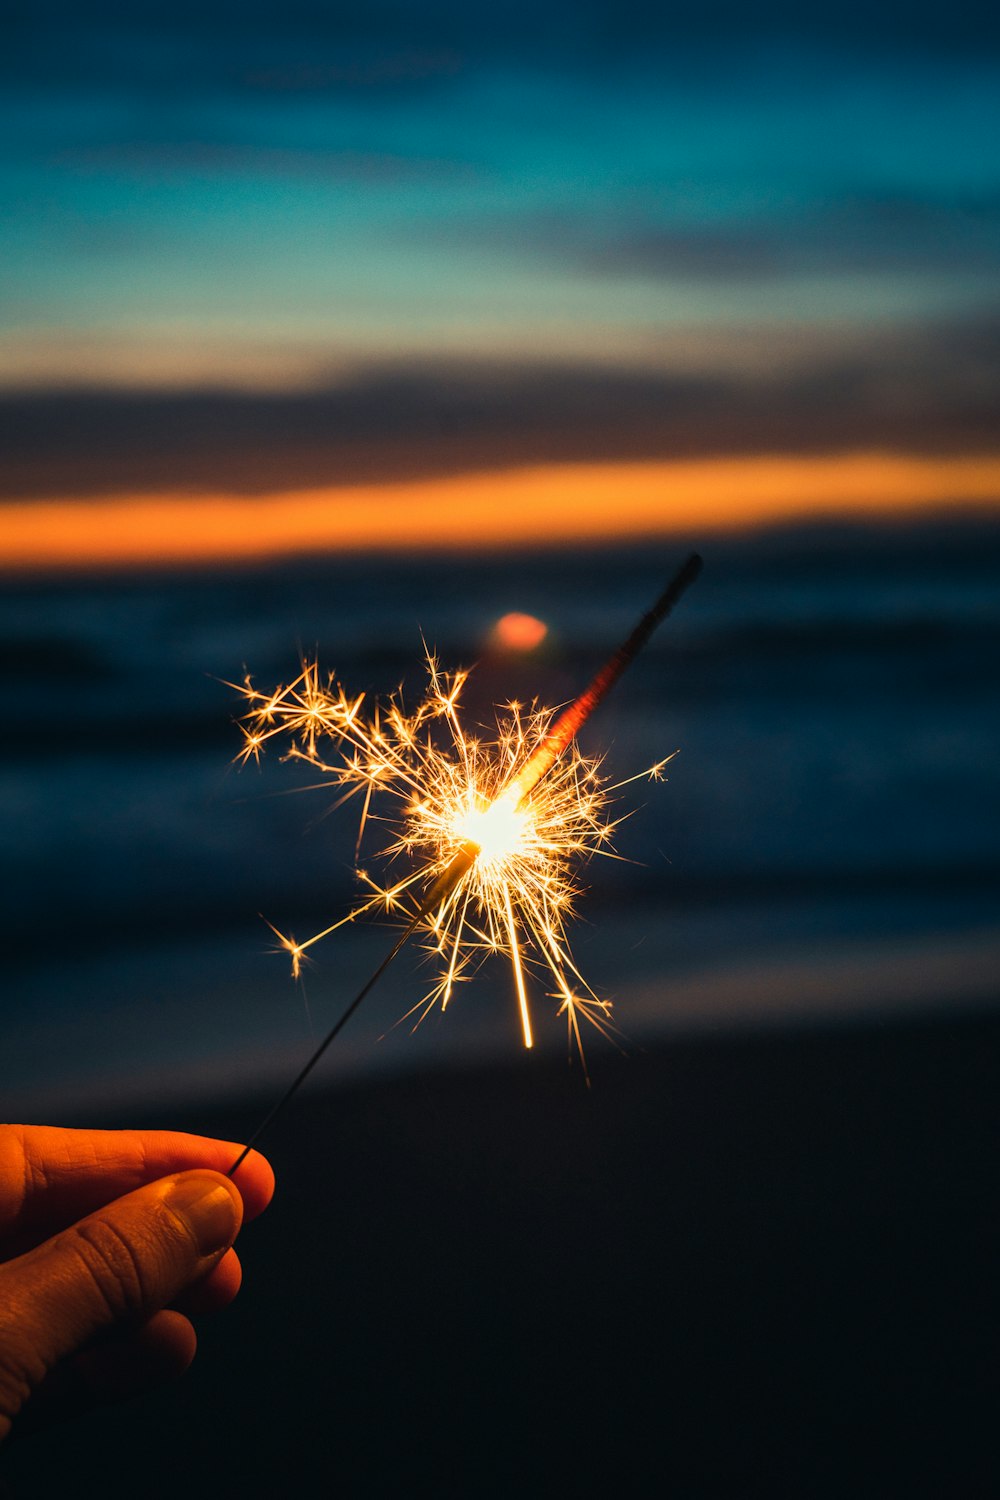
50, 1177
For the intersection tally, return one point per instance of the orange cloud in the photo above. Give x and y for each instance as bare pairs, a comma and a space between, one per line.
587, 503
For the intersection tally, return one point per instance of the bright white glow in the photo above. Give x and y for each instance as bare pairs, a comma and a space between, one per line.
498, 830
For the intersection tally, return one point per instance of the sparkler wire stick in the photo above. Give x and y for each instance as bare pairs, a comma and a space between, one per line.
439, 891
555, 742
572, 719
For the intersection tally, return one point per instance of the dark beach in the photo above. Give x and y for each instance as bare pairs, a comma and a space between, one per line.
757, 1265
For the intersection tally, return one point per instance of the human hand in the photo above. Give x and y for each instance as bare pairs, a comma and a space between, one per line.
96, 1287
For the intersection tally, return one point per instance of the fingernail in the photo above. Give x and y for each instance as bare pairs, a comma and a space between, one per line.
210, 1210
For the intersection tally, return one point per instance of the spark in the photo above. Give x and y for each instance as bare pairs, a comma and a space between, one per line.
520, 836
491, 832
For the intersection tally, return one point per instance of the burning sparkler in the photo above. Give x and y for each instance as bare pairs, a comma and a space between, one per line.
492, 832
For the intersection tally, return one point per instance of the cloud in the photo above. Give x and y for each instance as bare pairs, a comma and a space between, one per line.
928, 391
846, 235
196, 43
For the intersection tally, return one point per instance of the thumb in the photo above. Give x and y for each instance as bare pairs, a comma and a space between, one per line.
123, 1263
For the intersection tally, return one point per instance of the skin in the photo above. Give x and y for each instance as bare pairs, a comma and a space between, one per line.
110, 1242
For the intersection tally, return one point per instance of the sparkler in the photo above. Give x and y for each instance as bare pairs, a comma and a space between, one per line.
492, 831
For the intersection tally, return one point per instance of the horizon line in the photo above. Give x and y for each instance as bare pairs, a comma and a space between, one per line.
535, 505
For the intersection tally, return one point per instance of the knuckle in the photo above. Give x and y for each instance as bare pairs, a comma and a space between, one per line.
16, 1175
113, 1264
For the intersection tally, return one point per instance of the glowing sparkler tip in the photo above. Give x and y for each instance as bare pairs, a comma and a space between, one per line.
498, 829
493, 844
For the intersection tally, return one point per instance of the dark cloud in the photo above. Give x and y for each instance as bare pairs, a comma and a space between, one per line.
199, 43
848, 235
927, 391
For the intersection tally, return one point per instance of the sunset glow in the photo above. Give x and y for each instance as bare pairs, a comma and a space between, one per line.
353, 289
554, 504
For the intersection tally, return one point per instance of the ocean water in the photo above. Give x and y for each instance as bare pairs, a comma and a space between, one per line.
824, 847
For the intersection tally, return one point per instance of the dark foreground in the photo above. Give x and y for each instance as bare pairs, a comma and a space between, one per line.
761, 1265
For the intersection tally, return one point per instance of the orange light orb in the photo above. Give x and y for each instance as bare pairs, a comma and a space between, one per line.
517, 632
